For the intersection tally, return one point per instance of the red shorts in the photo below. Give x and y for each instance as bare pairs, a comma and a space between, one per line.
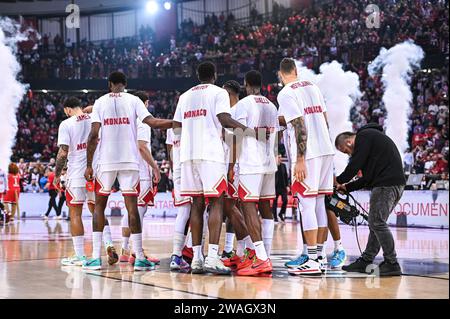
10, 196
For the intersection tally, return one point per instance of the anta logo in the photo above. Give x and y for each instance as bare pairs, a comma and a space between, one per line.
200, 87
194, 113
261, 100
117, 121
313, 109
81, 146
300, 84
83, 117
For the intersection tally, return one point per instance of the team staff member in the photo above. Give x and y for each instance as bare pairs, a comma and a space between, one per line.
376, 155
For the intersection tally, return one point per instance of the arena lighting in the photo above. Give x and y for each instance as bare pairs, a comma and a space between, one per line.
152, 7
85, 91
167, 5
44, 91
125, 90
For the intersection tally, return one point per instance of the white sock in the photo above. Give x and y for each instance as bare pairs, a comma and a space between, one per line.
305, 249
125, 243
312, 252
320, 250
229, 241
142, 210
205, 227
189, 240
198, 254
267, 234
248, 242
136, 241
178, 243
338, 245
213, 250
78, 245
107, 240
260, 250
240, 248
183, 213
97, 244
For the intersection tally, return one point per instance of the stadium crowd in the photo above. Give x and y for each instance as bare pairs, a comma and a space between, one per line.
324, 34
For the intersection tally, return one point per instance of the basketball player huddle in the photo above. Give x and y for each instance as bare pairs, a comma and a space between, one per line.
223, 156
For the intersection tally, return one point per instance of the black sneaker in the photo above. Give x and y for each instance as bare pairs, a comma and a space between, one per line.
359, 265
281, 217
226, 255
390, 269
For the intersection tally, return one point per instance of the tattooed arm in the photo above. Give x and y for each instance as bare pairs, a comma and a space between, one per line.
91, 147
302, 137
61, 161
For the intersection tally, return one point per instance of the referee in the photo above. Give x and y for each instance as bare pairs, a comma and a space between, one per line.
377, 157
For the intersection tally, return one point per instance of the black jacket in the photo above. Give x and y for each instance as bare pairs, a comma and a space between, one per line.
281, 179
376, 155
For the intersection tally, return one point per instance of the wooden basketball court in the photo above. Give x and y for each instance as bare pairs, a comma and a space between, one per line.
31, 250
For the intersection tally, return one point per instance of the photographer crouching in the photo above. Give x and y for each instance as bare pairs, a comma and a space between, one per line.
377, 157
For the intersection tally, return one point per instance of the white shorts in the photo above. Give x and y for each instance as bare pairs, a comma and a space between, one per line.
319, 177
233, 187
256, 187
178, 199
146, 193
128, 180
76, 196
203, 178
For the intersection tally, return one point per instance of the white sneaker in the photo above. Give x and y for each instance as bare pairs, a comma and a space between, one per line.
58, 217
44, 217
309, 268
215, 265
197, 266
323, 263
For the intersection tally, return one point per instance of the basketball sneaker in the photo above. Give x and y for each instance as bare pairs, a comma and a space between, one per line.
215, 265
73, 261
297, 261
197, 266
338, 259
154, 260
112, 254
309, 268
124, 255
187, 254
359, 265
258, 267
232, 262
323, 263
226, 255
92, 264
178, 263
143, 264
247, 260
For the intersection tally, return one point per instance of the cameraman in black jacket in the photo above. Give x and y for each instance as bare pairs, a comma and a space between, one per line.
377, 157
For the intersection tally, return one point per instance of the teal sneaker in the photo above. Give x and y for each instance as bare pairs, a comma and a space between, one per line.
338, 259
73, 261
93, 264
143, 264
300, 260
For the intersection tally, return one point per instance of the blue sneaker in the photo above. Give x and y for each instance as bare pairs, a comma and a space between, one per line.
143, 264
178, 263
93, 264
338, 259
300, 260
73, 261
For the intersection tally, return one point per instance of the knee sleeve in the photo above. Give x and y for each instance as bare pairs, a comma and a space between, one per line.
321, 212
142, 210
124, 222
183, 215
308, 211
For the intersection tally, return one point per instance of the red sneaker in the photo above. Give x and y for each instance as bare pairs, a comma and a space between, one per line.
247, 260
257, 267
188, 254
232, 262
124, 256
154, 260
131, 259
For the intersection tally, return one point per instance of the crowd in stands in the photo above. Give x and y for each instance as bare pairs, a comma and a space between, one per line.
335, 31
317, 34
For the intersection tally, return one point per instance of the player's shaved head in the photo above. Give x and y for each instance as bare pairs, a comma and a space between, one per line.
72, 102
142, 95
206, 71
253, 79
287, 66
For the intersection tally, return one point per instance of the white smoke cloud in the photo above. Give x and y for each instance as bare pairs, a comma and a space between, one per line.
398, 64
340, 90
11, 90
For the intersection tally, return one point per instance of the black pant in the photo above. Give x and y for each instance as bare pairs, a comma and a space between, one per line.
283, 195
62, 199
52, 202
